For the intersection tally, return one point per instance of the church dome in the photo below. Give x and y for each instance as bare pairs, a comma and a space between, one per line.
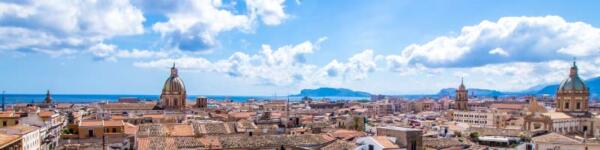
174, 84
573, 82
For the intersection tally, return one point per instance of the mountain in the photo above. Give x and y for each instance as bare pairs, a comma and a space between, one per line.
332, 92
477, 92
593, 84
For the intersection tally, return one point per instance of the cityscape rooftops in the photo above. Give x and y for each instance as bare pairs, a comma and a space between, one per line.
19, 129
385, 142
6, 139
555, 138
399, 128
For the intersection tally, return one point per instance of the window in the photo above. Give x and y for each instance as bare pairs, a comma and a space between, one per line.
567, 105
371, 147
114, 130
578, 105
4, 123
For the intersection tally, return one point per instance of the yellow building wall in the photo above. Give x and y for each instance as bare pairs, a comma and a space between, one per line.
9, 122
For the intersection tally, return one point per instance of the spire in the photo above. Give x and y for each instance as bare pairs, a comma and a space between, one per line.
462, 85
173, 71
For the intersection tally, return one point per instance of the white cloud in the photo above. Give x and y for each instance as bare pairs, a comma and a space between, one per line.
499, 51
195, 24
521, 75
510, 39
285, 65
59, 25
270, 11
111, 52
357, 67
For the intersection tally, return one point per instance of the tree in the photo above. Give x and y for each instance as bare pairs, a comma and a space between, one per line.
474, 135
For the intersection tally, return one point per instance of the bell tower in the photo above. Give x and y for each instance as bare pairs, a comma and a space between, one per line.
462, 99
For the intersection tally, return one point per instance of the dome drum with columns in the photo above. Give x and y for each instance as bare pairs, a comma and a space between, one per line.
173, 94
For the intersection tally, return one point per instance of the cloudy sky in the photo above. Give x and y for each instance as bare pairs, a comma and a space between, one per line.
266, 47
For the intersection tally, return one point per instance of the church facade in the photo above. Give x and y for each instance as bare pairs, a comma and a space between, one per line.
571, 115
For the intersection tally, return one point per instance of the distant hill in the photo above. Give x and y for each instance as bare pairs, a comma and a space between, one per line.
550, 89
477, 92
593, 84
332, 92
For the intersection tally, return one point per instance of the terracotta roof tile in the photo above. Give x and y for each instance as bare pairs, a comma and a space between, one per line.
339, 145
385, 142
6, 139
8, 114
179, 130
555, 139
113, 123
45, 114
20, 128
89, 123
130, 129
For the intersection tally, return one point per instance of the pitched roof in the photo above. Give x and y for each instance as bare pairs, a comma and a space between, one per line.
113, 123
554, 138
20, 129
212, 128
512, 106
441, 143
46, 114
385, 142
90, 123
557, 115
130, 129
6, 139
264, 141
179, 130
160, 143
339, 145
97, 123
151, 130
346, 134
8, 114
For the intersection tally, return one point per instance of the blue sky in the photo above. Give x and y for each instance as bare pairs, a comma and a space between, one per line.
266, 47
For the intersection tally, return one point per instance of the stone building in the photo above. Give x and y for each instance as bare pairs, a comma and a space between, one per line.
173, 96
573, 95
201, 102
408, 138
572, 115
481, 118
462, 99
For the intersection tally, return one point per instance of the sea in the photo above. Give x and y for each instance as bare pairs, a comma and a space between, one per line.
91, 98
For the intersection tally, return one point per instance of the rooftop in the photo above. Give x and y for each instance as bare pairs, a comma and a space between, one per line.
384, 142
399, 128
6, 139
555, 139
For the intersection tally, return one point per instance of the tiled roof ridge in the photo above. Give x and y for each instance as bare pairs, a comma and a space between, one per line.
227, 129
